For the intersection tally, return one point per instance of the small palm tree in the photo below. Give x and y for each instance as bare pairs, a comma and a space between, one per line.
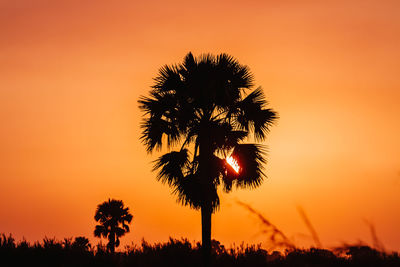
114, 219
205, 108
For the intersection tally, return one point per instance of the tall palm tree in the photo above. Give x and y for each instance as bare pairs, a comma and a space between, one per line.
113, 220
204, 108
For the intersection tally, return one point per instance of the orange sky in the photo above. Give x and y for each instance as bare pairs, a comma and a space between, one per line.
71, 73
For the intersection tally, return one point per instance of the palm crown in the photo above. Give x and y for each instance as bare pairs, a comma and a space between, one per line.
113, 220
204, 108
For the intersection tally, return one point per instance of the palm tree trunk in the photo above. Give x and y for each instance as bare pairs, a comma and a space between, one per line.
112, 242
205, 154
206, 233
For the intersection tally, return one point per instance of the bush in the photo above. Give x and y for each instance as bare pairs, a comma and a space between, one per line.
176, 253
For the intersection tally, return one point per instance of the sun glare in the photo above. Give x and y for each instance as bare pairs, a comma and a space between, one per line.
234, 164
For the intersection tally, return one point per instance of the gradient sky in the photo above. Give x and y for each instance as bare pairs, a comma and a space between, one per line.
71, 73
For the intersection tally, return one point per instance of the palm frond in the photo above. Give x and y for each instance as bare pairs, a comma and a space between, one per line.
194, 192
168, 79
126, 228
126, 217
229, 176
252, 116
251, 158
171, 166
215, 169
224, 137
189, 64
239, 75
153, 130
120, 231
100, 231
117, 242
158, 105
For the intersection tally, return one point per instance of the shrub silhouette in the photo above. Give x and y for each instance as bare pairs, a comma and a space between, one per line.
81, 243
177, 253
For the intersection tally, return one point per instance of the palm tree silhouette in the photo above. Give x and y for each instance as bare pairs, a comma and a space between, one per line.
114, 219
205, 107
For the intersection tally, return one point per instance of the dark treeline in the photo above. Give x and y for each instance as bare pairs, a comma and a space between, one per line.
79, 252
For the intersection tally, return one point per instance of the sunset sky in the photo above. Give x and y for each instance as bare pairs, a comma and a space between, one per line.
71, 73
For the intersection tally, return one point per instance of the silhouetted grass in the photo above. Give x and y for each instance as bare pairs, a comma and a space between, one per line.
276, 238
79, 252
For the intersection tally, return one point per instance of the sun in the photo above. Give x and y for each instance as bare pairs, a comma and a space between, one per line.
234, 164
